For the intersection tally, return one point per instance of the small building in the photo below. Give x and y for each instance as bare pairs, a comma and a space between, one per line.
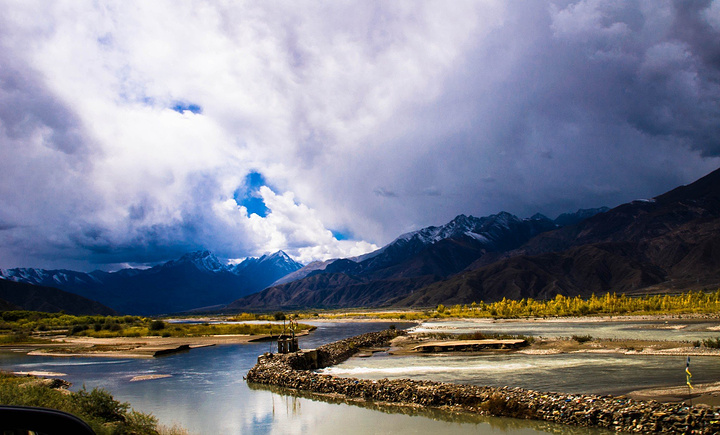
288, 344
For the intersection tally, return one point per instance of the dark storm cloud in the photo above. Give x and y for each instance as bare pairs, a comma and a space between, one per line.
575, 105
46, 155
133, 139
27, 106
692, 26
385, 193
6, 226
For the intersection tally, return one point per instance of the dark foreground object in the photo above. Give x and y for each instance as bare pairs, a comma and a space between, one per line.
294, 370
22, 419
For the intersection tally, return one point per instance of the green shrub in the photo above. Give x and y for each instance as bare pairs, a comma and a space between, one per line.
76, 329
157, 325
96, 407
99, 403
712, 343
15, 337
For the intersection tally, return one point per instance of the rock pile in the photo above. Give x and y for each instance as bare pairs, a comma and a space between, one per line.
617, 413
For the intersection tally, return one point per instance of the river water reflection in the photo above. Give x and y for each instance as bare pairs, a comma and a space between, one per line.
206, 393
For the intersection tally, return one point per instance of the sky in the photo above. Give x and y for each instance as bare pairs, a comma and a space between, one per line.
134, 131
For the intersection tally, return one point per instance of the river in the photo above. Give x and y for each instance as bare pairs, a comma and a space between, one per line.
206, 394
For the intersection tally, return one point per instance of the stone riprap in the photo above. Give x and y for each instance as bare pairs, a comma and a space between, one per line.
617, 413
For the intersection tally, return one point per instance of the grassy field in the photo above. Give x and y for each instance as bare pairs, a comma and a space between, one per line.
35, 327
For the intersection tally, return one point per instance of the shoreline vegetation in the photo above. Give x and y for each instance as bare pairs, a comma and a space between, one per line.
698, 303
57, 334
96, 407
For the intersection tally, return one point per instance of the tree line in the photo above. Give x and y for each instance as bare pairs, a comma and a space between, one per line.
608, 304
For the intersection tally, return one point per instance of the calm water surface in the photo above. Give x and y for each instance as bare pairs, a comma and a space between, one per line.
206, 392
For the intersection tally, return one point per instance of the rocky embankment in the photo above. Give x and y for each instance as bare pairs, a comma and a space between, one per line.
617, 413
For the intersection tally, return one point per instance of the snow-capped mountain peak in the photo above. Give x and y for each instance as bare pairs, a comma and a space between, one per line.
277, 257
461, 225
278, 260
203, 260
29, 275
494, 232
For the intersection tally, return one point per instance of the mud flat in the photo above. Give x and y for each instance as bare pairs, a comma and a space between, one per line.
622, 414
708, 393
414, 343
131, 347
148, 377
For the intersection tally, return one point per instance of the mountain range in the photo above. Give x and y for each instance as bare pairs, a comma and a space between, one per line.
407, 264
197, 279
668, 243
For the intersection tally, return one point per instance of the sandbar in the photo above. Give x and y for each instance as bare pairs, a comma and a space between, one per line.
132, 347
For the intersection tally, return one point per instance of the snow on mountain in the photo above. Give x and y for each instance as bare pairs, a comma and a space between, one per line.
485, 229
46, 277
493, 231
279, 261
203, 260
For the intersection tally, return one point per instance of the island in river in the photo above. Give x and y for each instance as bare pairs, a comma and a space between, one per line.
134, 347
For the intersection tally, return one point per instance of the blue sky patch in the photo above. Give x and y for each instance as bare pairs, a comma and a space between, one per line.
340, 235
250, 198
181, 107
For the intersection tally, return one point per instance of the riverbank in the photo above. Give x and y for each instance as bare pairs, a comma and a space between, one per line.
412, 344
97, 407
130, 347
700, 394
616, 413
152, 346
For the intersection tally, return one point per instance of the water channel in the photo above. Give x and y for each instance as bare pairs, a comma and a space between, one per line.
206, 394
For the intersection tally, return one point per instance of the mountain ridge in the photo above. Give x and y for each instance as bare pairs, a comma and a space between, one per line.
408, 263
669, 242
196, 279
